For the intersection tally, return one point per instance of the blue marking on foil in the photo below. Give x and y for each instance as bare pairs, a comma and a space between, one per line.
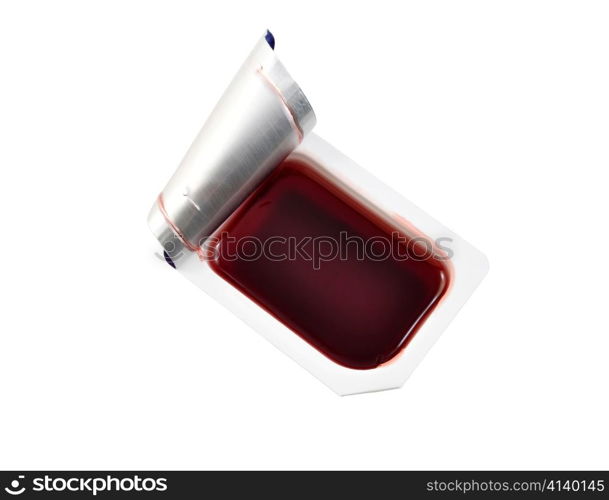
168, 259
270, 39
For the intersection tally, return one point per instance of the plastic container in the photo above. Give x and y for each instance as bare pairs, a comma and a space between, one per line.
333, 267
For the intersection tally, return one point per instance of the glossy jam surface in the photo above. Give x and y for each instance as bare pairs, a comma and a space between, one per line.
359, 310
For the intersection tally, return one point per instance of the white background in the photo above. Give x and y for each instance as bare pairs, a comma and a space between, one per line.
492, 116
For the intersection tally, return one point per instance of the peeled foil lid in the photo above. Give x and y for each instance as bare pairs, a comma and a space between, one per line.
261, 118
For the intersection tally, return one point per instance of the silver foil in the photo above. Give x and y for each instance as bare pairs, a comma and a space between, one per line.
262, 116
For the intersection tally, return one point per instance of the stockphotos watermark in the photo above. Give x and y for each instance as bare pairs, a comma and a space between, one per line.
92, 485
315, 249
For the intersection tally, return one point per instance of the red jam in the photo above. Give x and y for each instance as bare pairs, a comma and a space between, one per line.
354, 307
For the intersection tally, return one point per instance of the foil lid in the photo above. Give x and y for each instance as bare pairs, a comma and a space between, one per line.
261, 118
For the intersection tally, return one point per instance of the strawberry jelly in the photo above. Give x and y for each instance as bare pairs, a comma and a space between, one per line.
358, 310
